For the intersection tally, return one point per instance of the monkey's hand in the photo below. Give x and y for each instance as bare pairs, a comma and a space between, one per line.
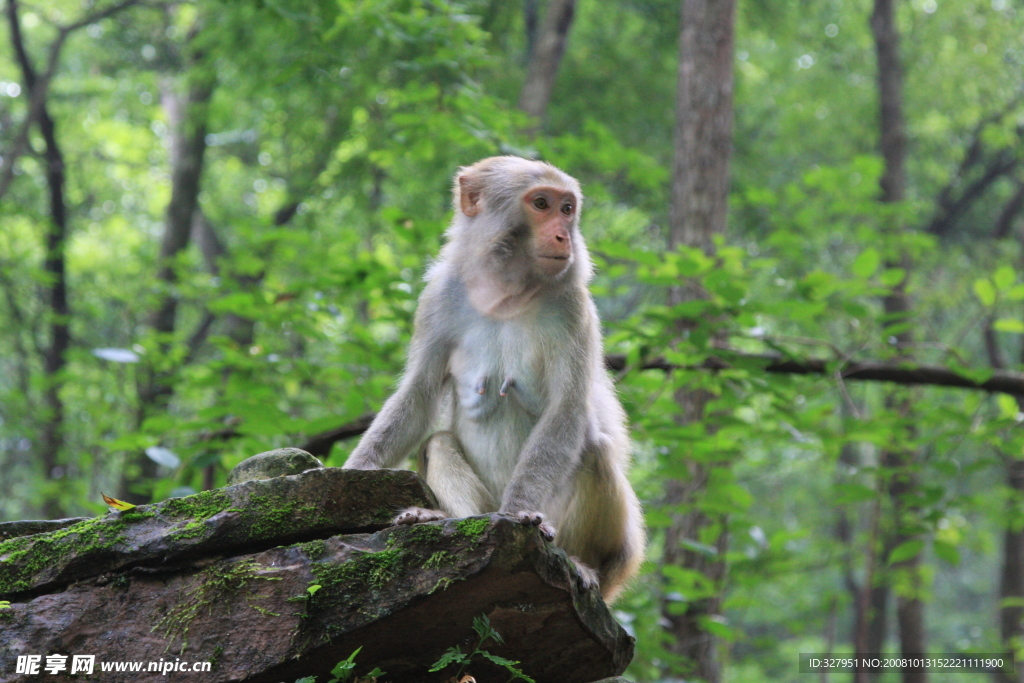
586, 576
418, 515
533, 518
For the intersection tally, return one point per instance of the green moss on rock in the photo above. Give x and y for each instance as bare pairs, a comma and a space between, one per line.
22, 558
211, 586
197, 508
473, 527
273, 514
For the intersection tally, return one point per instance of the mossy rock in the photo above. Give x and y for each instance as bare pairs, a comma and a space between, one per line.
27, 527
246, 517
405, 595
276, 463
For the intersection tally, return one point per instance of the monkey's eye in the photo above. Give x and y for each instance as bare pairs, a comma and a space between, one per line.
540, 203
567, 209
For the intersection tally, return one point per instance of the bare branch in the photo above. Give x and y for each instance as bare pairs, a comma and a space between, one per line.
948, 207
1001, 381
1009, 213
36, 85
320, 444
99, 15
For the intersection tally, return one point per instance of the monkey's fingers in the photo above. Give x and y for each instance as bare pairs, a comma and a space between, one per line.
418, 515
547, 531
586, 577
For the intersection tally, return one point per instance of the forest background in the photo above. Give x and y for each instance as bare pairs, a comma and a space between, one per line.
215, 217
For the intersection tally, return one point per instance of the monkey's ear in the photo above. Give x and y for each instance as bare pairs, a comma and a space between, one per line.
469, 195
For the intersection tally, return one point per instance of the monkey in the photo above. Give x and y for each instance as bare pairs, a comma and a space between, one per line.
504, 396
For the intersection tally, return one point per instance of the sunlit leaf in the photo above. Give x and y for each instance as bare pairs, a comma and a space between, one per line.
985, 292
115, 503
891, 277
865, 265
946, 551
1008, 407
1004, 277
1009, 325
906, 550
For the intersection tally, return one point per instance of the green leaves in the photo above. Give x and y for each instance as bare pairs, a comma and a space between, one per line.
865, 265
452, 655
985, 292
484, 632
1015, 325
906, 551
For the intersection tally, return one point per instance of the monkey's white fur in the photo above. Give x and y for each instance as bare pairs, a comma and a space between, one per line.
505, 390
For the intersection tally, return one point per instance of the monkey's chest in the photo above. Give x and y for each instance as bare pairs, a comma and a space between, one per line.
498, 377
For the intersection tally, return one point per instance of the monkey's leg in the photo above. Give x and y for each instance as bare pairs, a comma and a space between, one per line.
602, 528
459, 490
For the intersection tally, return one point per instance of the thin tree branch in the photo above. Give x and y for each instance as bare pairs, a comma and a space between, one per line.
320, 444
198, 337
1001, 381
948, 208
36, 86
1009, 213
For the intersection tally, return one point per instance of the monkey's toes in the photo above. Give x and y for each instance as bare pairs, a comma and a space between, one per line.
418, 515
530, 518
586, 577
533, 518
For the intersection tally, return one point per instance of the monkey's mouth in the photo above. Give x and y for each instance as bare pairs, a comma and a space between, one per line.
553, 265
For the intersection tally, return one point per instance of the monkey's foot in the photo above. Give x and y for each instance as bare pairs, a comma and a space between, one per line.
532, 518
418, 515
586, 577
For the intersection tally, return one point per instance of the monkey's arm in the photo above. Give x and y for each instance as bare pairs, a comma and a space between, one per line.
552, 452
405, 418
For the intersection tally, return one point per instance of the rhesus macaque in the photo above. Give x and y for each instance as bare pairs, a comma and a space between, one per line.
505, 390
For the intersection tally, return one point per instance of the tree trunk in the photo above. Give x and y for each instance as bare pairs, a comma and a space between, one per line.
546, 57
703, 128
187, 113
699, 200
1011, 584
900, 462
1011, 580
893, 139
868, 618
530, 21
54, 265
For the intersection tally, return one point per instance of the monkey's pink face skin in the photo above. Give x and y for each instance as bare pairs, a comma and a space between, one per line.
550, 212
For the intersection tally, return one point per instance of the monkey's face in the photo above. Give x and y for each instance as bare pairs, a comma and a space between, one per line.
551, 215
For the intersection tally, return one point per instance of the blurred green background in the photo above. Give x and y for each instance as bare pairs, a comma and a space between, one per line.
215, 217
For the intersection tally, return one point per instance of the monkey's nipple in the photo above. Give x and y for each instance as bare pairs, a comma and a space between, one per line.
481, 386
505, 386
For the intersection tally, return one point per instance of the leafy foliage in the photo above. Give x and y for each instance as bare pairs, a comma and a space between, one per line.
484, 633
332, 132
